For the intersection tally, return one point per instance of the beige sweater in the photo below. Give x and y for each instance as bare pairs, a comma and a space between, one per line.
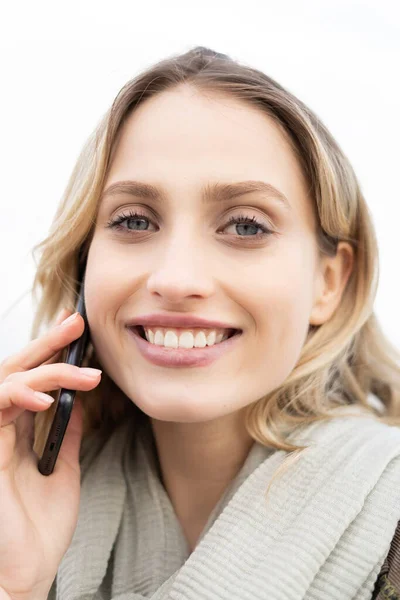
322, 534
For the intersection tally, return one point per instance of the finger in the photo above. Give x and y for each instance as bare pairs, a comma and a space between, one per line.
15, 398
54, 359
53, 377
43, 348
9, 437
57, 357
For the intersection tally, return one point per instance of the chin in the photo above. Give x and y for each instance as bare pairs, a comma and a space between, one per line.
181, 411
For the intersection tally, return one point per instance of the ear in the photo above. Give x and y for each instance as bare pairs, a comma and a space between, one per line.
332, 277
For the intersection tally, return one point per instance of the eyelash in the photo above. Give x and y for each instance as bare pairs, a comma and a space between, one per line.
240, 219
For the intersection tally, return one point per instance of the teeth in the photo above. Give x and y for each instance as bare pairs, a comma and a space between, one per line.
185, 339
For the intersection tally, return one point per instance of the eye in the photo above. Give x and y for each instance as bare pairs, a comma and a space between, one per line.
132, 216
244, 225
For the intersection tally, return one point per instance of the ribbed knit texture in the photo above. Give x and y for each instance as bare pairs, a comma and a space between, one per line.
322, 533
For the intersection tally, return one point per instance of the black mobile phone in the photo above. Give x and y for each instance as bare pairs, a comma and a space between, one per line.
76, 352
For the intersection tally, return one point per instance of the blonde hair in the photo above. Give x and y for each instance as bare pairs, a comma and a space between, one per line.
342, 361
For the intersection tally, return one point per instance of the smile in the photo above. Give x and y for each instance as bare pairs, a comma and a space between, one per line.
183, 357
184, 338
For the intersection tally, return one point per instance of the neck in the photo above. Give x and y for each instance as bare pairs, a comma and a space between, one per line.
197, 462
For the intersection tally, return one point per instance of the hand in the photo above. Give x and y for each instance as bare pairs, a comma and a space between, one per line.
38, 513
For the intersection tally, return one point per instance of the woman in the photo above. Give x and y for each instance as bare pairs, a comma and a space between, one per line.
213, 208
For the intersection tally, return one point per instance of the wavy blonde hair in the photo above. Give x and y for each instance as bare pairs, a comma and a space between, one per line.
342, 361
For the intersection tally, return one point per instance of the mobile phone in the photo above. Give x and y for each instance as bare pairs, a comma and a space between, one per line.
76, 352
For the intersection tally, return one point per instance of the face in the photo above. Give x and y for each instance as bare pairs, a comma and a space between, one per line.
181, 255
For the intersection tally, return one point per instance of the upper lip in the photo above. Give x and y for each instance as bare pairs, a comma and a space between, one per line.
175, 320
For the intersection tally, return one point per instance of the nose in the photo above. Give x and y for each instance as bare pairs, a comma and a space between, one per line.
182, 271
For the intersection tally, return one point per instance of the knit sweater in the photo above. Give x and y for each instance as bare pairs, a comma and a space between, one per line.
322, 533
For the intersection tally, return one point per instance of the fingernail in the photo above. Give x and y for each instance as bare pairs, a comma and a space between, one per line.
69, 319
44, 397
93, 373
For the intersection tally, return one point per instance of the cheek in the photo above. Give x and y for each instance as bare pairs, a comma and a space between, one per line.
104, 294
105, 283
280, 303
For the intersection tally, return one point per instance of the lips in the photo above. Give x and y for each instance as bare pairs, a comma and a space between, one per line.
183, 357
176, 320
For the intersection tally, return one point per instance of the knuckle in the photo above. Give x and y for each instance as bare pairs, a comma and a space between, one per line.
5, 385
3, 363
9, 386
12, 377
5, 367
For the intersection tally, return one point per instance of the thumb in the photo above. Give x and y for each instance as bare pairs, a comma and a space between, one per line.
70, 447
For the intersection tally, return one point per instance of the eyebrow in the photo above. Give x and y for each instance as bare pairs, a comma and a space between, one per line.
211, 192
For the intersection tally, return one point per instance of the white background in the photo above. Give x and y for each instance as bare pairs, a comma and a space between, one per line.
62, 63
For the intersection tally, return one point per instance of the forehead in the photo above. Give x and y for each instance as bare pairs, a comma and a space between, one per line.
185, 138
183, 120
